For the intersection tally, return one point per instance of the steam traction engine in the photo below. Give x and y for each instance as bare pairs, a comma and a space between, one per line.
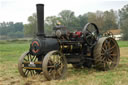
51, 54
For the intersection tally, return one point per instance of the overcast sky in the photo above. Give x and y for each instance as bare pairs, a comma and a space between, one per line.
19, 10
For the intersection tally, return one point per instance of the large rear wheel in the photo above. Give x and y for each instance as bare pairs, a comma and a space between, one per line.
106, 53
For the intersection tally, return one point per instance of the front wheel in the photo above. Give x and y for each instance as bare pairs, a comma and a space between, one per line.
54, 65
27, 65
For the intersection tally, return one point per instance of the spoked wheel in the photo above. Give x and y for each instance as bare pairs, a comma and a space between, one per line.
106, 53
90, 34
54, 65
27, 65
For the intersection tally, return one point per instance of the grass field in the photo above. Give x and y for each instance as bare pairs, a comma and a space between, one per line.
9, 75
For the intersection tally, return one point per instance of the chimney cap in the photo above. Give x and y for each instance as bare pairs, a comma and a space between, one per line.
39, 4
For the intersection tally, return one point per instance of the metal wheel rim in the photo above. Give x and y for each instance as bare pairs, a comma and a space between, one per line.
109, 47
50, 68
26, 72
109, 54
91, 35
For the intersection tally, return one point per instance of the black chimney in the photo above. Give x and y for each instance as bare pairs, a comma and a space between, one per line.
40, 19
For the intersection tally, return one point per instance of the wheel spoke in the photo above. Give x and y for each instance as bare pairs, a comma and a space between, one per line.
102, 54
54, 58
109, 45
59, 71
23, 65
57, 59
112, 47
107, 55
88, 36
103, 58
53, 68
50, 70
25, 59
113, 54
54, 74
26, 73
33, 58
103, 49
94, 32
111, 58
106, 44
31, 72
89, 31
28, 57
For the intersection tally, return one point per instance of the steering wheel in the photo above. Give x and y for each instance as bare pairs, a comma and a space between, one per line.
90, 34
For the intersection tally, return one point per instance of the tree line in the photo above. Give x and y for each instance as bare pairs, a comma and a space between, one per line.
123, 13
105, 20
11, 30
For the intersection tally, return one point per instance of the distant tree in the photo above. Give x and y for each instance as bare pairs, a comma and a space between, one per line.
83, 20
100, 20
50, 22
18, 27
97, 18
110, 20
104, 20
30, 29
123, 13
3, 28
66, 18
11, 30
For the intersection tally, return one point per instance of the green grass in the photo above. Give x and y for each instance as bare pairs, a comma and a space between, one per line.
123, 43
9, 55
11, 51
